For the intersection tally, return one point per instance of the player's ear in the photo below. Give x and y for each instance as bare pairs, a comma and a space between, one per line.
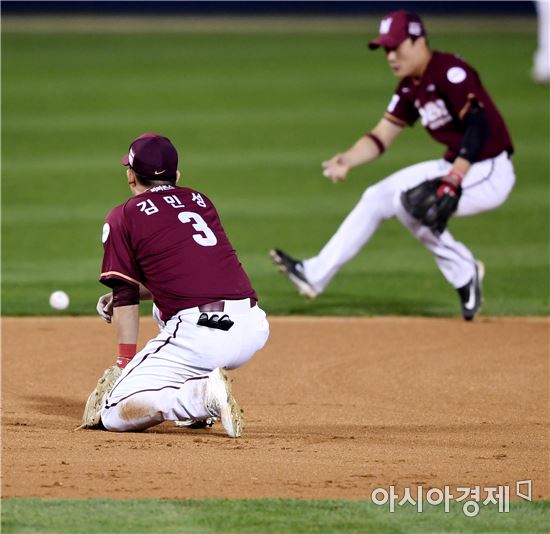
131, 177
421, 41
178, 176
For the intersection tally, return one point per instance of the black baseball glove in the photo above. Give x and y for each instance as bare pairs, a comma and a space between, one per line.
432, 202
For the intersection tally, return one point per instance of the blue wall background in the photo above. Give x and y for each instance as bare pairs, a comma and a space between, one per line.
336, 8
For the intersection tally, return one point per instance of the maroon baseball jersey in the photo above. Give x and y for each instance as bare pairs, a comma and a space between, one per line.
171, 240
441, 99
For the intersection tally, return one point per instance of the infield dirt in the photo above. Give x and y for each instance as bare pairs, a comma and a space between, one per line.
334, 407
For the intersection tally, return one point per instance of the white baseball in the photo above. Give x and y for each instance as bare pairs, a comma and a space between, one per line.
59, 300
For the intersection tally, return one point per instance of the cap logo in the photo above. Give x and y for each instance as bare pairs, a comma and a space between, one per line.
385, 26
131, 157
159, 172
415, 28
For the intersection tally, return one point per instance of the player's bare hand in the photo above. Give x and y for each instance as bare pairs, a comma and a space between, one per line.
335, 169
105, 307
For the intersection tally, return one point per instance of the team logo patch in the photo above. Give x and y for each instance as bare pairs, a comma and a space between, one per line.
385, 26
456, 74
434, 114
415, 28
393, 102
106, 231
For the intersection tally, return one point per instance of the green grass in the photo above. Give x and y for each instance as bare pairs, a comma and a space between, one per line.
253, 115
27, 516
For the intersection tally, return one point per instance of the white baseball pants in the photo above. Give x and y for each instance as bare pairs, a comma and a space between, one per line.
166, 381
486, 186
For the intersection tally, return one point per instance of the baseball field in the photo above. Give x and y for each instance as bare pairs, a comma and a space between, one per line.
378, 383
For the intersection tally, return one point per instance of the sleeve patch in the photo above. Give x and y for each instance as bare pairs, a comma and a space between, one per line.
393, 102
105, 233
456, 74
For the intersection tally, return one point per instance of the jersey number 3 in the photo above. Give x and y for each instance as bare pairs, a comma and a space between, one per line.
206, 238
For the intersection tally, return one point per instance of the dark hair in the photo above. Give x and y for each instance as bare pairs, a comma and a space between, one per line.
147, 181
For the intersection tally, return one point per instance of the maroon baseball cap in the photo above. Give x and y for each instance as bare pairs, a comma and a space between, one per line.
153, 156
396, 27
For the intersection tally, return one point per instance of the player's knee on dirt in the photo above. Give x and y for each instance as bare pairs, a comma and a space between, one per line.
131, 414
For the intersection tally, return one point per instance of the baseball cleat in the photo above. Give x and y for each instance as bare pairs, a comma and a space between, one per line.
194, 424
221, 403
471, 295
294, 271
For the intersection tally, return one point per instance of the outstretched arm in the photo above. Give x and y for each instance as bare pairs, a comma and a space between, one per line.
367, 148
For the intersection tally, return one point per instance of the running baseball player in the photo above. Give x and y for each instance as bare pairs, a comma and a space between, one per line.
167, 243
475, 174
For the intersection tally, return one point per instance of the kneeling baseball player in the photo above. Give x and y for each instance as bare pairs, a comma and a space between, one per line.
167, 243
475, 175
